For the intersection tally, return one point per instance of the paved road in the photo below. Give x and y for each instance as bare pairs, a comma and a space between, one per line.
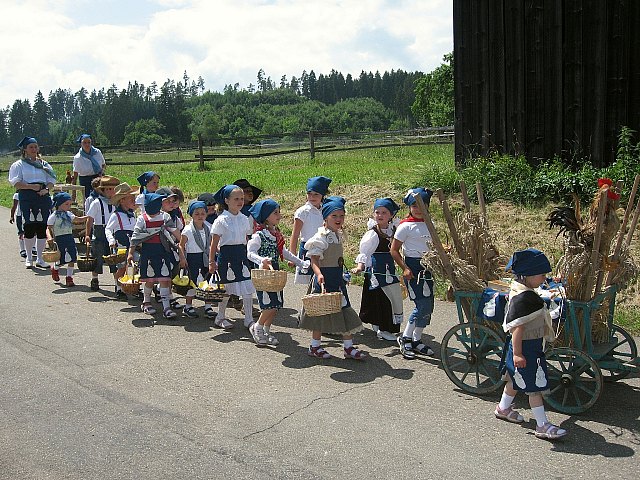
91, 388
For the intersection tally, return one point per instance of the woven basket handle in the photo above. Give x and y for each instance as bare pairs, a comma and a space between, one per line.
87, 253
323, 289
270, 267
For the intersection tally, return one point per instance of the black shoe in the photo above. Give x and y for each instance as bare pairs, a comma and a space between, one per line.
120, 295
406, 348
94, 285
421, 348
23, 253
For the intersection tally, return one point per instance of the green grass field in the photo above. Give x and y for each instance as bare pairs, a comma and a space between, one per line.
360, 176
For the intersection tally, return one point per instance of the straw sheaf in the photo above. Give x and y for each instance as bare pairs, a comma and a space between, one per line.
479, 246
465, 275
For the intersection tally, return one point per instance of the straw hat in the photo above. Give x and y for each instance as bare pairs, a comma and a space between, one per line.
108, 181
122, 190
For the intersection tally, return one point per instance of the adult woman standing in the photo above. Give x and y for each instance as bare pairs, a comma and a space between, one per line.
88, 163
34, 179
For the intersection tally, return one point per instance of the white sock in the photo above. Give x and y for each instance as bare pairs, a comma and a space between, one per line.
266, 328
165, 295
21, 243
315, 343
222, 307
408, 330
70, 272
539, 413
348, 343
40, 243
29, 244
505, 401
417, 334
247, 303
259, 327
147, 293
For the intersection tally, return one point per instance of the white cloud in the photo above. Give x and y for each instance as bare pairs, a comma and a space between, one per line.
66, 44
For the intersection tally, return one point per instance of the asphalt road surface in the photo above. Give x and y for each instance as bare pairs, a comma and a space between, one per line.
91, 388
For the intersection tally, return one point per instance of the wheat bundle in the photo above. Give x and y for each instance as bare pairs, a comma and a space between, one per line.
465, 275
479, 245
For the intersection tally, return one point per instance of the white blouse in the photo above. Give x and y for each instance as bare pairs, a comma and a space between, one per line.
232, 229
254, 244
84, 167
369, 243
191, 246
414, 237
23, 172
95, 211
318, 243
311, 218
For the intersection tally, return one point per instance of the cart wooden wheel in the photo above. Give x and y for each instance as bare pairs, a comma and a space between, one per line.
471, 355
575, 380
623, 349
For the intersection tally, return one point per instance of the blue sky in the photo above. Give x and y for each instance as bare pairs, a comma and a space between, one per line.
73, 43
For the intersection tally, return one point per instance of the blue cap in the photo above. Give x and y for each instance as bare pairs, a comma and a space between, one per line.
146, 178
224, 192
424, 193
387, 203
82, 137
529, 262
59, 198
153, 202
26, 141
262, 209
319, 185
331, 205
194, 205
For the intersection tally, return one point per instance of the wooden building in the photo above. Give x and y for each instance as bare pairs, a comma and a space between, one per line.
545, 77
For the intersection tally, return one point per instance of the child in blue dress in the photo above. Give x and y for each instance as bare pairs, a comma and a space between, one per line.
325, 250
229, 234
306, 221
60, 228
528, 322
381, 304
149, 183
266, 249
158, 237
407, 248
16, 216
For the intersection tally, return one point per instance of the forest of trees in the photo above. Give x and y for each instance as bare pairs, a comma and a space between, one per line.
178, 111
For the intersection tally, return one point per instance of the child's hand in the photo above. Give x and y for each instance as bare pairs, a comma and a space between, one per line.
519, 361
291, 264
407, 274
50, 242
130, 258
88, 240
183, 263
266, 263
11, 221
320, 279
356, 270
213, 266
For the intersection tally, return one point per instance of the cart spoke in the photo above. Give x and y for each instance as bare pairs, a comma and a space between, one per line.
550, 366
564, 397
585, 389
463, 342
558, 387
462, 379
457, 364
577, 397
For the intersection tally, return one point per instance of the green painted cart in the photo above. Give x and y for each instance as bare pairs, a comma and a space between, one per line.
471, 352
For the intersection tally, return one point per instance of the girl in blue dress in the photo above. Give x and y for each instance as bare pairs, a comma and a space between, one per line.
528, 322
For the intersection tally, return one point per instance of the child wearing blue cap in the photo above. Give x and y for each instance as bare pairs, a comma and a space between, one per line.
60, 229
229, 234
528, 322
407, 248
381, 304
88, 163
325, 250
265, 249
306, 221
158, 237
34, 179
195, 242
99, 212
149, 183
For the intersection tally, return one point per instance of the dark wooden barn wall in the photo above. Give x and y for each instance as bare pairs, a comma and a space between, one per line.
546, 77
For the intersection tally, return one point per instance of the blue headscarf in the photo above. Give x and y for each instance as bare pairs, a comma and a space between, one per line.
95, 164
194, 205
26, 141
424, 193
146, 178
153, 203
331, 205
262, 209
319, 185
529, 262
58, 199
41, 164
387, 203
224, 192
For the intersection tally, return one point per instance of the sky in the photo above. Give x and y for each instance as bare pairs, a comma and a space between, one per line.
68, 44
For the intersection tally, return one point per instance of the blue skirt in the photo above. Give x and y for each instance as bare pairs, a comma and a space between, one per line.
35, 208
532, 378
155, 263
421, 285
67, 247
197, 268
270, 300
233, 265
384, 269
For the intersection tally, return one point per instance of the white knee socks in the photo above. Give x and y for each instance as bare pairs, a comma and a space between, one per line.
505, 401
165, 294
29, 244
40, 243
408, 330
417, 334
247, 303
222, 308
147, 293
539, 413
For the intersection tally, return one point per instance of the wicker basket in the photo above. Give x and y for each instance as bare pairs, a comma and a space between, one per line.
217, 294
52, 255
178, 288
318, 304
268, 280
77, 211
114, 258
87, 263
132, 287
